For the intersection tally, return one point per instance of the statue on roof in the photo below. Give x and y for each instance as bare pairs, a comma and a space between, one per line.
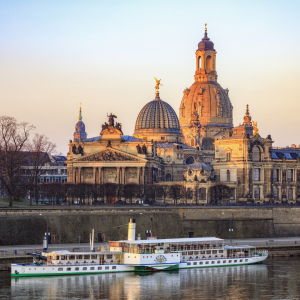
255, 128
157, 85
111, 120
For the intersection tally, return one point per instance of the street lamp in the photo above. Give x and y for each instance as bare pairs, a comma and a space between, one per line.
148, 219
45, 244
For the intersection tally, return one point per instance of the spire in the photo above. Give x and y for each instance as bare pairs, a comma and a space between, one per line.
80, 116
205, 33
157, 88
247, 117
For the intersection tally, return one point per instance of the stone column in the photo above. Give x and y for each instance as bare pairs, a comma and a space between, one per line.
74, 175
143, 175
118, 175
138, 174
94, 175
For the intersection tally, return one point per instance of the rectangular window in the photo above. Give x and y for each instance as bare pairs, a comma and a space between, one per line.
202, 252
207, 262
194, 263
241, 260
84, 268
289, 175
190, 252
213, 262
246, 260
230, 261
93, 256
256, 174
106, 268
224, 261
257, 193
218, 262
69, 269
77, 269
201, 263
290, 194
109, 256
220, 251
235, 260
214, 251
208, 252
114, 267
86, 256
275, 193
202, 193
228, 156
275, 175
92, 268
99, 268
78, 256
71, 257
60, 269
188, 264
62, 257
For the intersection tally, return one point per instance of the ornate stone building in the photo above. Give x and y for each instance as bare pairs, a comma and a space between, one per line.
200, 151
205, 108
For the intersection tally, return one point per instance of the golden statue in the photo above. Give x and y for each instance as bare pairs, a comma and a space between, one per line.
157, 85
205, 27
255, 128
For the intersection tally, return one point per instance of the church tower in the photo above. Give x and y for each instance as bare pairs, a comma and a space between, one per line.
205, 109
80, 133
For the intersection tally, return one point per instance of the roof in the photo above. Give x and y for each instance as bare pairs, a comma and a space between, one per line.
238, 247
183, 240
127, 138
171, 145
288, 153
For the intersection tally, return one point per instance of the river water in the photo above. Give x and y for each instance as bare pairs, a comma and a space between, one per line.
274, 279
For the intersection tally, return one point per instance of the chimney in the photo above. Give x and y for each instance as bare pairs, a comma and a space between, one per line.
131, 230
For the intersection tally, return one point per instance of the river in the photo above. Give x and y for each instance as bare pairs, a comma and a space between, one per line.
276, 278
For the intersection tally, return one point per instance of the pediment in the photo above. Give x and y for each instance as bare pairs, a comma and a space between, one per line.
110, 155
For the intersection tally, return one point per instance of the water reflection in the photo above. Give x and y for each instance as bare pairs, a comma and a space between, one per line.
272, 280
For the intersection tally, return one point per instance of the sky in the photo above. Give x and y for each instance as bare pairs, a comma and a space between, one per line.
55, 55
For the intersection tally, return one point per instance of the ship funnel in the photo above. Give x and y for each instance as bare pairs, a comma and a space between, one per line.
131, 230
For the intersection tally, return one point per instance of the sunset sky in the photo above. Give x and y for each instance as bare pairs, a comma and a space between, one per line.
55, 55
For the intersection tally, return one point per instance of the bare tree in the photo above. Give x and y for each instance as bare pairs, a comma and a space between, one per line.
175, 192
13, 155
130, 191
40, 148
163, 191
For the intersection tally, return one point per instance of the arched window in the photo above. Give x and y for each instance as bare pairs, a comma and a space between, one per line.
168, 177
256, 193
189, 160
256, 155
208, 62
228, 175
199, 62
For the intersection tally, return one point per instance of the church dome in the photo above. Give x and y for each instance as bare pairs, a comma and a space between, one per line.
206, 43
157, 119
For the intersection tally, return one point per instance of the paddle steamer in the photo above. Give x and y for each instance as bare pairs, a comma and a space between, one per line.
151, 254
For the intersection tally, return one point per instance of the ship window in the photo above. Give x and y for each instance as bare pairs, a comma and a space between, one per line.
202, 252
230, 261
218, 262
92, 268
246, 260
220, 251
196, 252
94, 256
235, 260
84, 268
194, 263
241, 260
62, 257
106, 268
208, 252
60, 269
99, 268
86, 256
190, 252
214, 252
109, 256
114, 267
183, 253
77, 269
207, 262
69, 269
224, 261
213, 262
78, 256
201, 263
143, 256
72, 257
188, 264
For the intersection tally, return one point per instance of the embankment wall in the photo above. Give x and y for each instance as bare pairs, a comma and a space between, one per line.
26, 226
